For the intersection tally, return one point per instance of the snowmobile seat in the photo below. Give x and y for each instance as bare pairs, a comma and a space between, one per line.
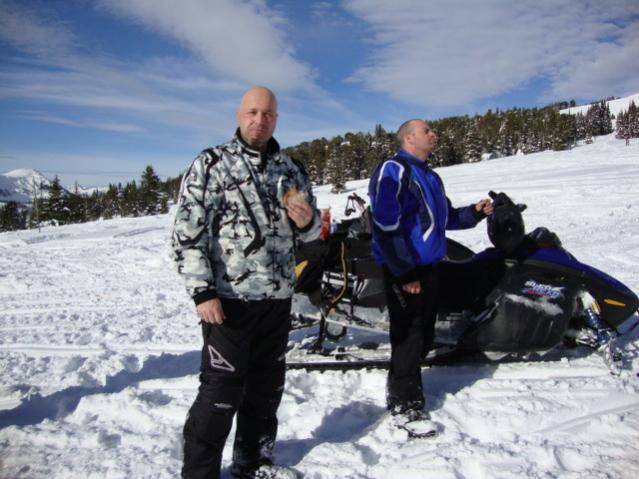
365, 268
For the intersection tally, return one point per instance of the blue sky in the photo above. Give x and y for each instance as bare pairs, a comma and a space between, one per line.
95, 90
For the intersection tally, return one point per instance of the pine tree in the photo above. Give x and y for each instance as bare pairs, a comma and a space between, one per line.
489, 126
77, 205
358, 145
633, 120
599, 119
110, 202
11, 218
561, 129
347, 158
149, 192
621, 125
627, 123
129, 199
300, 153
445, 153
383, 143
472, 142
335, 173
581, 126
55, 208
172, 188
317, 160
95, 203
34, 216
606, 119
533, 132
506, 138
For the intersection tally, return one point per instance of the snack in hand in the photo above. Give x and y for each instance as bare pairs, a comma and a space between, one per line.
293, 196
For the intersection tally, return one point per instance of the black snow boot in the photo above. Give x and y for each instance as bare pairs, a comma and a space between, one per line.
266, 470
416, 422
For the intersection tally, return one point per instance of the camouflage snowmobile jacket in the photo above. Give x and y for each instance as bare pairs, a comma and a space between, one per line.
232, 237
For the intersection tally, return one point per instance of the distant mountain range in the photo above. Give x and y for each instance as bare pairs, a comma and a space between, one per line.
22, 185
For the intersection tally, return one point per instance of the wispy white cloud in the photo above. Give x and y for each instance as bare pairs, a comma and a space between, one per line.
168, 92
238, 39
31, 29
81, 123
611, 66
326, 13
160, 91
453, 53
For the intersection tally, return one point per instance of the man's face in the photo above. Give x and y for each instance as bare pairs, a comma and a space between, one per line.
423, 138
257, 116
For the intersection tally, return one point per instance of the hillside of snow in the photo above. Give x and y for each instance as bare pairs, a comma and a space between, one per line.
99, 352
615, 106
21, 185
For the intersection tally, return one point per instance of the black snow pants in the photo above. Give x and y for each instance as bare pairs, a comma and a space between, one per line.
412, 319
243, 368
412, 328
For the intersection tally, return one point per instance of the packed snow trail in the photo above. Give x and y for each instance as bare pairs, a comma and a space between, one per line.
99, 349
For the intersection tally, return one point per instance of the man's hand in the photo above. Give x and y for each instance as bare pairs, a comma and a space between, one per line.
211, 311
485, 206
414, 287
300, 212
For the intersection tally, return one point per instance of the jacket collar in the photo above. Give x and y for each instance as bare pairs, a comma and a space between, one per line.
272, 147
413, 159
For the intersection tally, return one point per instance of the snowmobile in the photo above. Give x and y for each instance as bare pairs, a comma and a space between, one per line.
525, 295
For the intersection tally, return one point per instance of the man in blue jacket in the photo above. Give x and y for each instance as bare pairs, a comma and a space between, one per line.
411, 214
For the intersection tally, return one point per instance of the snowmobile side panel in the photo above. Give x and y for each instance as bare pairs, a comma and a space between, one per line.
616, 300
530, 312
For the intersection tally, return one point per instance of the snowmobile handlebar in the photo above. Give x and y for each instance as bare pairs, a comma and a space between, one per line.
502, 199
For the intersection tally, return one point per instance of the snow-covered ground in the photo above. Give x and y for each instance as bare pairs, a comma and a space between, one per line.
615, 106
99, 351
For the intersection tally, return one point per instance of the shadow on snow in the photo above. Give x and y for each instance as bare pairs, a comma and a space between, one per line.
37, 408
351, 422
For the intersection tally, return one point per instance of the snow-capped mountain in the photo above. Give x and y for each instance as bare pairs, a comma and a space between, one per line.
22, 185
81, 190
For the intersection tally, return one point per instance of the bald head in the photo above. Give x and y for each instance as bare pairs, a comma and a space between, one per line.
417, 138
407, 128
257, 116
259, 94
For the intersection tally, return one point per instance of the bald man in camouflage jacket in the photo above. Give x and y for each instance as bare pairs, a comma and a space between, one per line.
234, 244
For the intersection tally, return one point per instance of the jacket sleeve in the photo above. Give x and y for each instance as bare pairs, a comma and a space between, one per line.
386, 212
462, 218
313, 230
196, 207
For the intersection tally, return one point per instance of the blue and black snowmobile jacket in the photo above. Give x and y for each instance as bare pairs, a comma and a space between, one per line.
411, 213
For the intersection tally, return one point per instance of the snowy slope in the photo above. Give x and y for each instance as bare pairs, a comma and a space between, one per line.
99, 351
616, 106
20, 185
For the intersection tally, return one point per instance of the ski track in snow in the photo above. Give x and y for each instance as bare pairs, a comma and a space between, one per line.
99, 348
